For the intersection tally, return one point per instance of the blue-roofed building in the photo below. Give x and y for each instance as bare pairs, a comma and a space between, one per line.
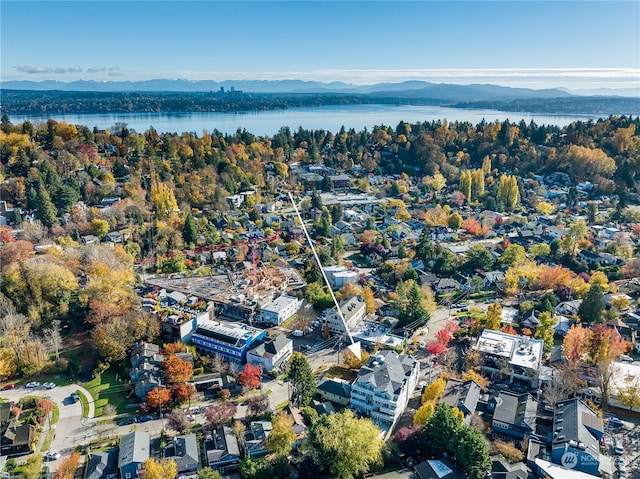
231, 340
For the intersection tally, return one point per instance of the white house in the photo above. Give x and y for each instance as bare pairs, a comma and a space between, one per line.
353, 310
383, 387
271, 353
279, 310
338, 276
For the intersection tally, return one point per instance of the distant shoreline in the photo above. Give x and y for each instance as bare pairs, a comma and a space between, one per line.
55, 102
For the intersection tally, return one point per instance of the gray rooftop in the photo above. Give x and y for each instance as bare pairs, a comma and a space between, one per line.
387, 371
463, 395
573, 420
517, 409
134, 448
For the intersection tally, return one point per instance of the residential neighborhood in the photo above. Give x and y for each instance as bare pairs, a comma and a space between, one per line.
454, 317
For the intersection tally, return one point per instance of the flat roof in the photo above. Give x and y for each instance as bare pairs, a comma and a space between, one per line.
554, 471
279, 303
377, 333
520, 350
226, 332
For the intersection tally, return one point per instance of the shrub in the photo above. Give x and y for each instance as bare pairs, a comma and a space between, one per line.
508, 450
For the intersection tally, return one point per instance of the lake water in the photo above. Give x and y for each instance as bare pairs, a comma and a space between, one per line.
330, 118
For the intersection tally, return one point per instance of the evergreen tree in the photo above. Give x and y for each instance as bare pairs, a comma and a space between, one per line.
425, 248
190, 230
442, 428
471, 452
591, 309
302, 380
47, 212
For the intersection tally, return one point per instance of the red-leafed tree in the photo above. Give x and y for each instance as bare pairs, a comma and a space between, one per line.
181, 393
158, 398
250, 376
219, 414
443, 336
68, 467
6, 236
177, 370
436, 348
452, 326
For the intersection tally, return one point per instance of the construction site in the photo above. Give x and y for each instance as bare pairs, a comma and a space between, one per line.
237, 294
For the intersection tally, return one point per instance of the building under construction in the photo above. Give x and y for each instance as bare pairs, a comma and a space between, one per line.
236, 294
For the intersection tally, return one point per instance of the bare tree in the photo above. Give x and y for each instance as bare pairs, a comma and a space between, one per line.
258, 405
54, 339
234, 368
15, 329
178, 421
565, 382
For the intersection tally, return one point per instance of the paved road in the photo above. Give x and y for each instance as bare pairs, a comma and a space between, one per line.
70, 428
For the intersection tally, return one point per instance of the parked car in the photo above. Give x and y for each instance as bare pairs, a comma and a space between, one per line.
619, 461
145, 418
625, 358
49, 385
51, 456
9, 386
297, 333
75, 397
126, 422
615, 422
32, 385
617, 447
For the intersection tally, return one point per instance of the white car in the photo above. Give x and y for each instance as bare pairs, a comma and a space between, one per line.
52, 456
32, 385
49, 385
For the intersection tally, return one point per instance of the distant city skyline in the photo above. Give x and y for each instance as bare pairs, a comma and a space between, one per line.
579, 45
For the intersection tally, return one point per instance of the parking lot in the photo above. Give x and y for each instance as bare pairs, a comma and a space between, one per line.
628, 434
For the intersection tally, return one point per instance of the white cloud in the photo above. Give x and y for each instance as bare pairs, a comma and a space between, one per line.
42, 69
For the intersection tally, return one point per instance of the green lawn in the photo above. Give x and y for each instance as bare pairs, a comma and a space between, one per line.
84, 400
46, 444
106, 390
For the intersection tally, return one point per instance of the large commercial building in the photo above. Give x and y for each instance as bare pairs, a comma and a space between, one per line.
383, 387
353, 310
231, 340
279, 310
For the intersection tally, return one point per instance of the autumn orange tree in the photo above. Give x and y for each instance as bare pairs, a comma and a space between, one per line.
68, 467
604, 346
575, 342
177, 370
158, 398
182, 392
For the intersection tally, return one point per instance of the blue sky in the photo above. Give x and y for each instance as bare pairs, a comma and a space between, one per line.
575, 44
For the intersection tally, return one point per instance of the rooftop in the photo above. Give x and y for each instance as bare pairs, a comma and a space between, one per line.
134, 448
226, 332
520, 350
